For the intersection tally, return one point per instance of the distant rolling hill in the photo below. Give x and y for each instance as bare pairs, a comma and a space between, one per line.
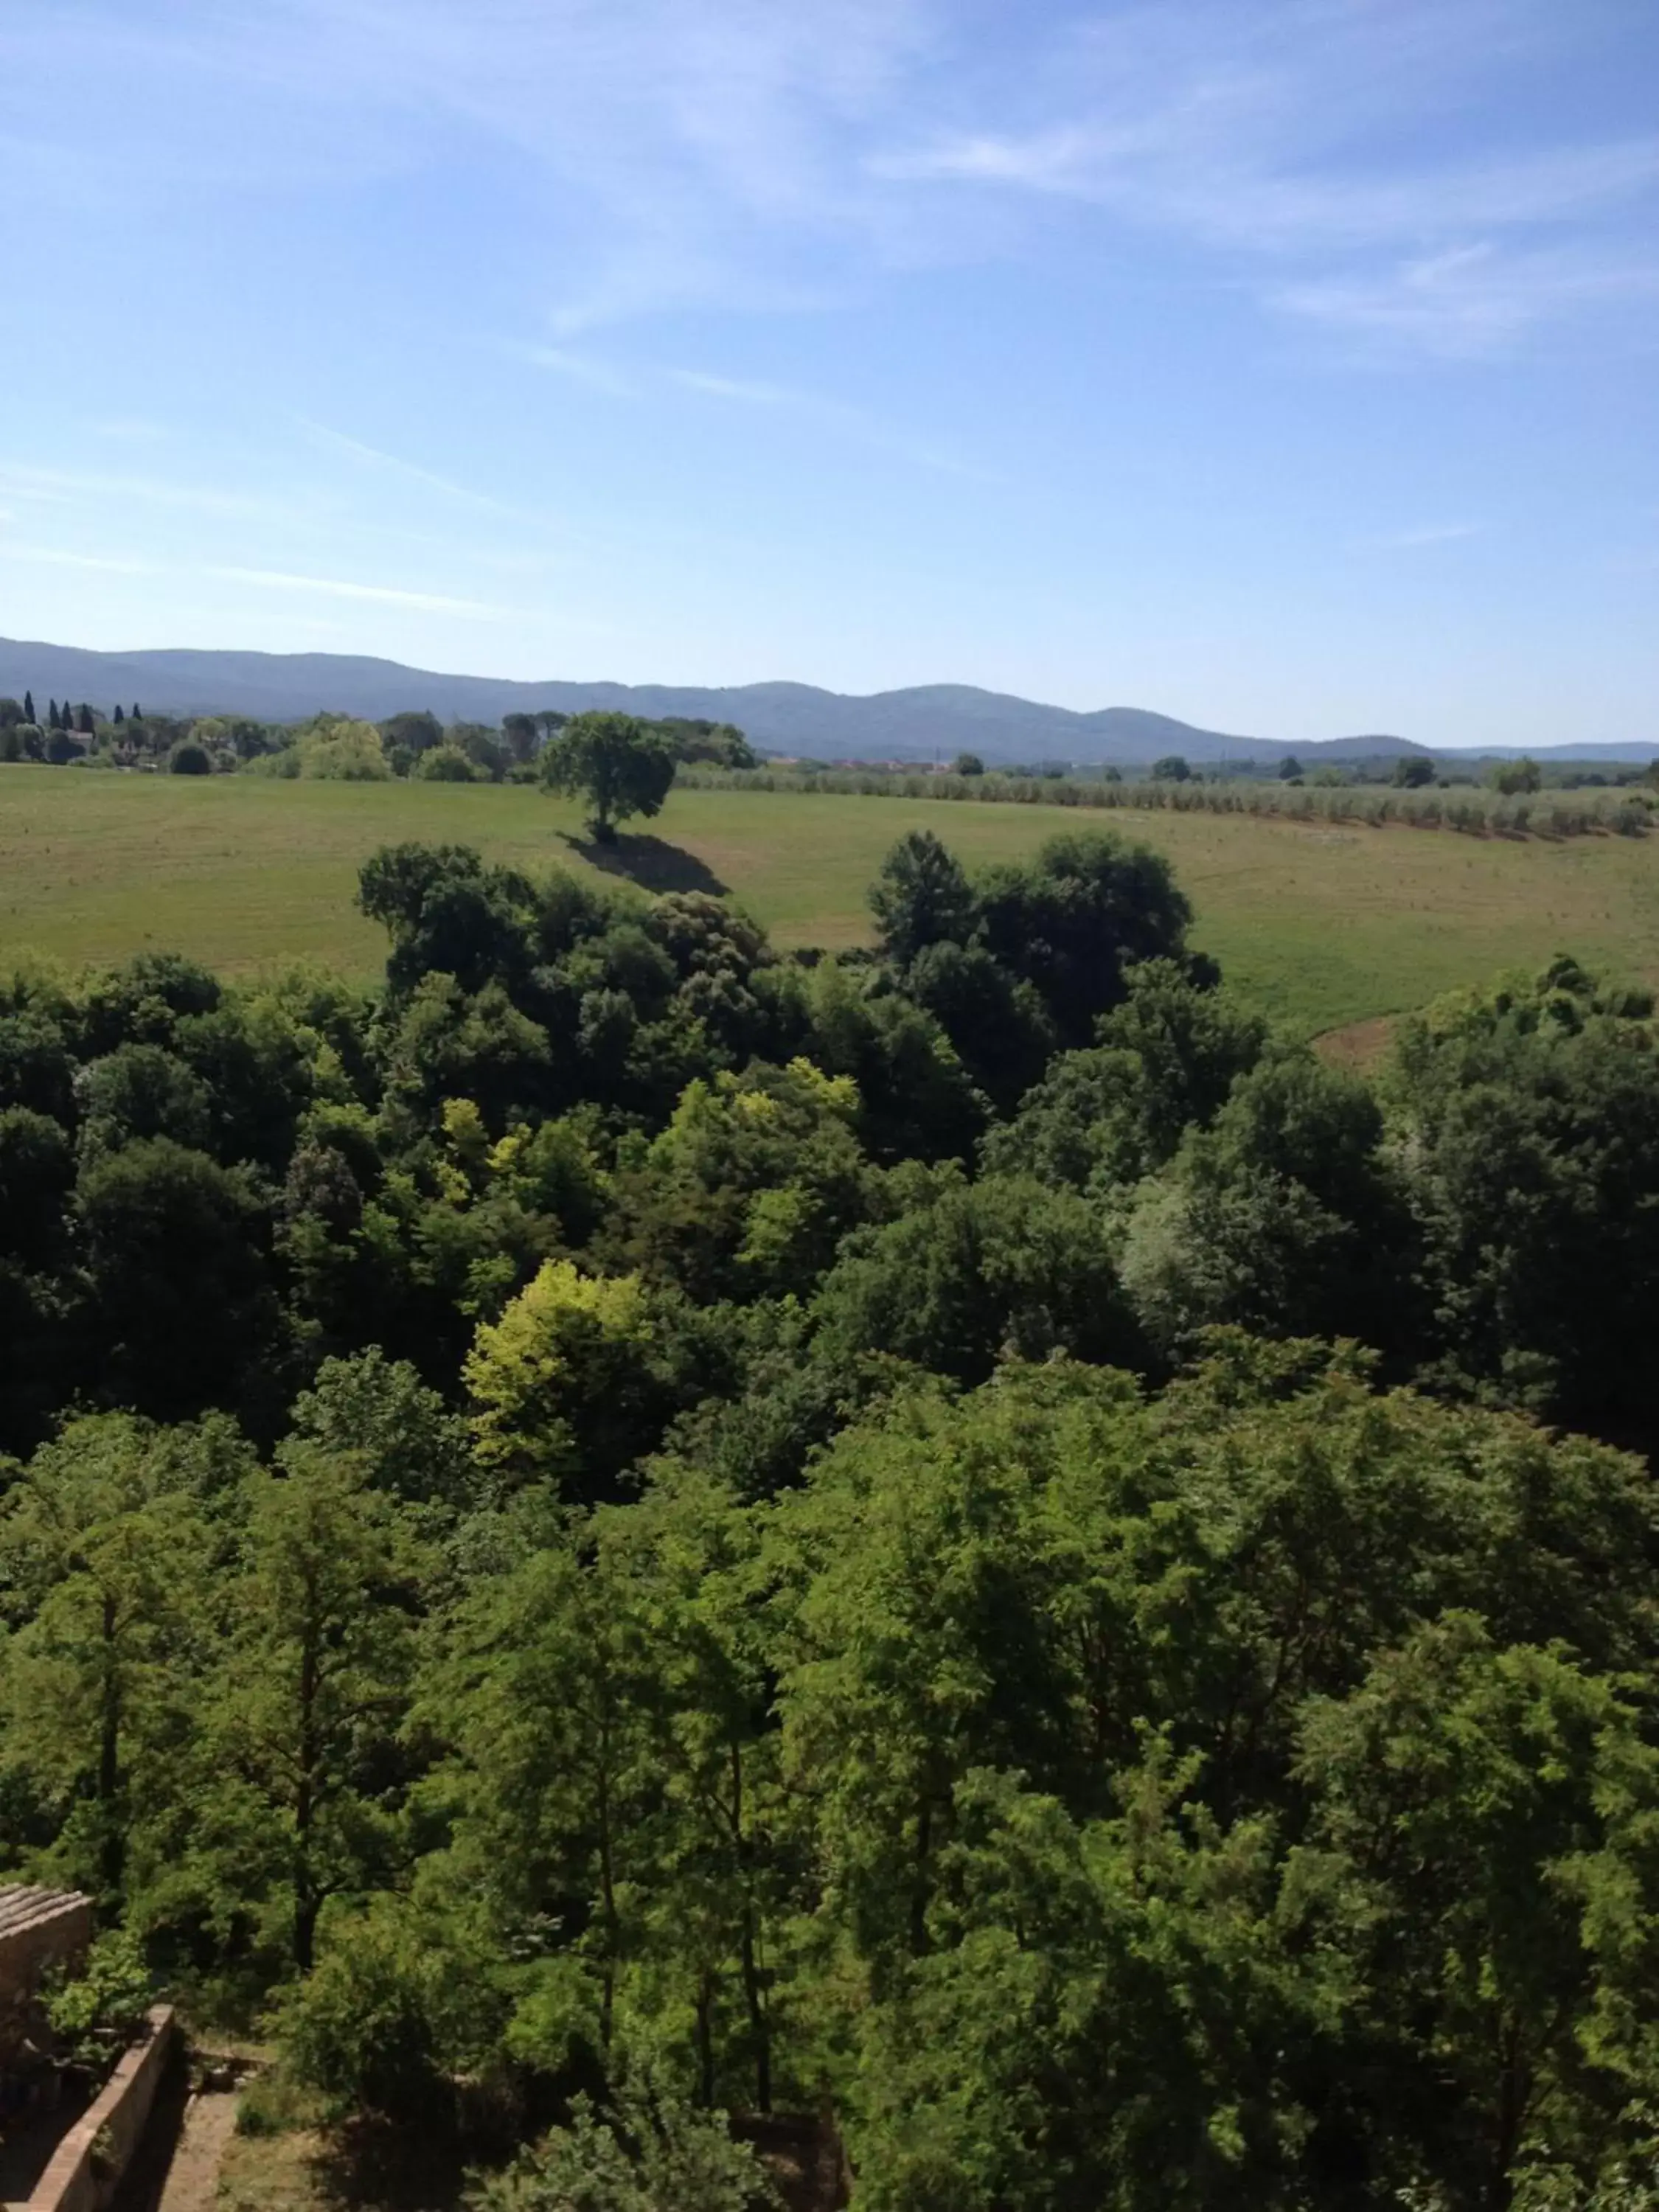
787, 717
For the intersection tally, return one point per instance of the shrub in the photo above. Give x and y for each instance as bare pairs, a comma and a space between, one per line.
190, 758
103, 2007
445, 764
650, 2151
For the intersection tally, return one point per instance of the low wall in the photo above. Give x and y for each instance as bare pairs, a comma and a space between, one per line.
114, 2122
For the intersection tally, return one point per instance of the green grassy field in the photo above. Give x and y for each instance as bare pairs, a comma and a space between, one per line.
1325, 926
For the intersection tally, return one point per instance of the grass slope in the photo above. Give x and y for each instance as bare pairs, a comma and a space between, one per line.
1320, 925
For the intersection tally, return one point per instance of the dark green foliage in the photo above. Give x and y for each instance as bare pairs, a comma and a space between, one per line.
782, 1514
446, 911
1003, 1267
190, 758
1074, 920
416, 733
179, 1302
400, 1435
1528, 1126
921, 897
37, 1067
1172, 768
141, 1090
620, 765
1106, 1115
37, 1168
720, 744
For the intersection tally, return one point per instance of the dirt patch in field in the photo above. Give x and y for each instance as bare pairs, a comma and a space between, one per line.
1359, 1046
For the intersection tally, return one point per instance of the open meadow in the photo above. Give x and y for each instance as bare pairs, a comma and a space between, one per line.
1324, 925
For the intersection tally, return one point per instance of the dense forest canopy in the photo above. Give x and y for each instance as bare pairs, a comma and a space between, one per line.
963, 1530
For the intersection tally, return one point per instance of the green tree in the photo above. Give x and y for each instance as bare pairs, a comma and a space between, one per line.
414, 732
139, 1091
1073, 920
1412, 772
190, 758
921, 897
399, 1433
445, 764
178, 1293
1527, 1124
1108, 1114
107, 1553
302, 1801
1516, 778
561, 1384
750, 1186
522, 738
1171, 768
648, 2150
619, 764
980, 1270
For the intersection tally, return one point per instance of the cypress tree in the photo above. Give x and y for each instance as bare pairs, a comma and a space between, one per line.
28, 706
83, 720
119, 716
137, 712
52, 714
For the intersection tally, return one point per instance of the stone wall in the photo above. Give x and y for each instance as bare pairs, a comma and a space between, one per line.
93, 2156
38, 1929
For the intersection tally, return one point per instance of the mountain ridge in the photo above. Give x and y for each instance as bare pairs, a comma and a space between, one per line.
916, 722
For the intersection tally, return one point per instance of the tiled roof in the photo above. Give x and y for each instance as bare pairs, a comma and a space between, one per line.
21, 1907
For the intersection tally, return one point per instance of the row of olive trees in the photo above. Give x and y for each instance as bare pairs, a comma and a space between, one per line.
1472, 811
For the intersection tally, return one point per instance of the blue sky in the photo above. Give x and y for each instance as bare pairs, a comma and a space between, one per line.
1285, 365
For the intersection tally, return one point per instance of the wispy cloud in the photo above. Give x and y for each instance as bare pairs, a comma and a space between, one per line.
383, 594
53, 557
129, 431
373, 457
676, 154
580, 368
56, 486
838, 415
1292, 142
1470, 302
1423, 535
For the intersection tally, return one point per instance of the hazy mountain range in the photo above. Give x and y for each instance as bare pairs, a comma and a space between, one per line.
916, 724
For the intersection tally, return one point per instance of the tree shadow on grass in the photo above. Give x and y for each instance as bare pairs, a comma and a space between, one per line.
651, 862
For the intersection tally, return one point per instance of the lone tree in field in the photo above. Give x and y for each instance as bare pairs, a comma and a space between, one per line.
619, 764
